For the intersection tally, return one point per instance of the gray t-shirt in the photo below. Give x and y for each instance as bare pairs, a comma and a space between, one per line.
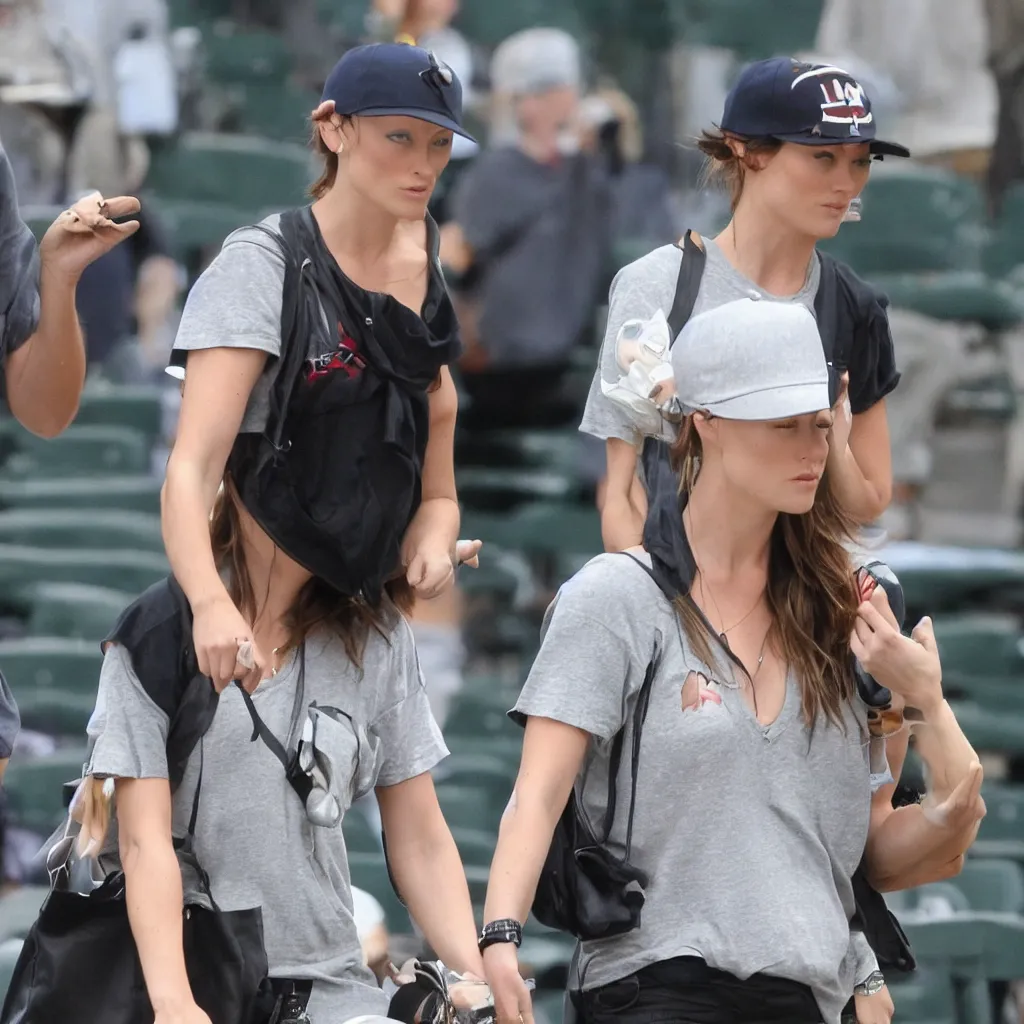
9, 720
750, 834
236, 303
638, 292
253, 836
550, 227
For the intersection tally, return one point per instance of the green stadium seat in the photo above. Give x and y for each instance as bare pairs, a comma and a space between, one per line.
488, 23
476, 846
473, 713
928, 997
990, 730
194, 225
51, 663
81, 449
556, 450
132, 493
914, 220
752, 29
992, 885
75, 528
276, 110
360, 835
1004, 249
138, 406
499, 490
236, 55
468, 807
239, 171
21, 568
544, 527
967, 296
63, 714
10, 950
1002, 829
35, 789
19, 909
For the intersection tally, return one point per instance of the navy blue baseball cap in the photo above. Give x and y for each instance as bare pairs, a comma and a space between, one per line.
383, 79
810, 104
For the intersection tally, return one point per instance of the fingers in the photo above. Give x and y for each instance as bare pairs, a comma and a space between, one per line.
924, 634
121, 206
869, 614
466, 552
860, 651
417, 571
862, 631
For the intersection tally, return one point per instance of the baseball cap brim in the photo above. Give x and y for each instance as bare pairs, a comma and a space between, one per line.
878, 146
777, 403
421, 115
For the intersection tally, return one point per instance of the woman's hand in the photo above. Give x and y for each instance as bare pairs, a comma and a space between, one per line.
909, 666
467, 552
512, 1003
85, 232
224, 645
876, 1009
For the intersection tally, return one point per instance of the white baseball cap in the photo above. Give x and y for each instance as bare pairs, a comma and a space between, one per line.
752, 359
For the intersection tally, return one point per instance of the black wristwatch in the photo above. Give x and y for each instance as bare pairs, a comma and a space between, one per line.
498, 932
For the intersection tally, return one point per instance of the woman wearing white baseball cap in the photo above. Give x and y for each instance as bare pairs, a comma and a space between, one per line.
747, 805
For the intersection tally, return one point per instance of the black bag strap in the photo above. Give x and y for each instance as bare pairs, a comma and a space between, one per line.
643, 700
691, 270
834, 342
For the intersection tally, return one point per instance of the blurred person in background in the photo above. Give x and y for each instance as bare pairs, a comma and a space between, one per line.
529, 237
1006, 59
126, 299
794, 150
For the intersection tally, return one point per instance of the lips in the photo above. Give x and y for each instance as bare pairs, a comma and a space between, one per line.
807, 478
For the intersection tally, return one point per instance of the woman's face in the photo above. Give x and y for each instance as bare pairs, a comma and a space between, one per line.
394, 162
810, 188
779, 463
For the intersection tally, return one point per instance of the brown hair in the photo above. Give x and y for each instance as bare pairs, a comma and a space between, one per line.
317, 605
811, 593
723, 166
325, 182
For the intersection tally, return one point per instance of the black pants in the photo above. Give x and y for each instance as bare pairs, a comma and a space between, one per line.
686, 991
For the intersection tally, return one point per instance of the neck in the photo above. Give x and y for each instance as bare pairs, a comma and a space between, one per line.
417, 27
728, 532
276, 581
766, 249
350, 224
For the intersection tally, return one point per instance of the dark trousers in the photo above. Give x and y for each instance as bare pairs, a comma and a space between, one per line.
686, 991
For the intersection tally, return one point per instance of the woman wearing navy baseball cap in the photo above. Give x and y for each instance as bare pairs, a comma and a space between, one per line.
794, 148
303, 507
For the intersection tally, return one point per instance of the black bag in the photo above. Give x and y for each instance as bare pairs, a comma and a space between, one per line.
335, 478
79, 962
584, 889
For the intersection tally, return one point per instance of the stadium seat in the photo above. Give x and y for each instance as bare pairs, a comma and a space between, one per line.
18, 910
35, 789
369, 872
992, 885
81, 450
62, 714
51, 663
70, 528
138, 406
1002, 829
968, 296
132, 493
488, 23
21, 568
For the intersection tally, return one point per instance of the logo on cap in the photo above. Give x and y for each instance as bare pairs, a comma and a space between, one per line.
843, 99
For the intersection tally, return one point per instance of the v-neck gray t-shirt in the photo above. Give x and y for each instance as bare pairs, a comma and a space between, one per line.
638, 292
253, 836
750, 834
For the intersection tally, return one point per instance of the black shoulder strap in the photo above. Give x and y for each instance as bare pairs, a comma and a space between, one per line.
691, 270
835, 340
643, 700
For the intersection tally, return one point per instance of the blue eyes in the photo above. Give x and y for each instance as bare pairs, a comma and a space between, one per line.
403, 137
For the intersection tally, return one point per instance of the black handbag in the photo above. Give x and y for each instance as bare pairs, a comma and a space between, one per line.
79, 962
584, 889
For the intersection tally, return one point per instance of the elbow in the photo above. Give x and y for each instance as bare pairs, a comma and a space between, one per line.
47, 423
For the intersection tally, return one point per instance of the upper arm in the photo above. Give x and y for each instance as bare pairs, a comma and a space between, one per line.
409, 810
870, 446
214, 399
19, 272
553, 754
439, 462
143, 813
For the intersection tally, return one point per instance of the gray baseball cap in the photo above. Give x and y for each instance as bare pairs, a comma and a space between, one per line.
9, 720
752, 359
536, 60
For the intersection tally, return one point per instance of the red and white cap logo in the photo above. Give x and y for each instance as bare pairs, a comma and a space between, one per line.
842, 99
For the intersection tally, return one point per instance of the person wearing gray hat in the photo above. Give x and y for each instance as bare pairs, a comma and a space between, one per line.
794, 150
694, 716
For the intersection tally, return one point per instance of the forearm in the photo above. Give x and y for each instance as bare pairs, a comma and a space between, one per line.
862, 498
622, 524
46, 374
908, 850
436, 523
945, 751
185, 507
523, 842
154, 900
429, 875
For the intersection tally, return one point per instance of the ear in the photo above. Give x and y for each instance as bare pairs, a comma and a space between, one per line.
738, 146
706, 427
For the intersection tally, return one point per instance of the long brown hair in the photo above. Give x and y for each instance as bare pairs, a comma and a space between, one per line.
724, 167
811, 593
329, 175
318, 606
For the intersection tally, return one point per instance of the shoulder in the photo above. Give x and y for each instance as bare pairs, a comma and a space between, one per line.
614, 590
255, 243
659, 265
